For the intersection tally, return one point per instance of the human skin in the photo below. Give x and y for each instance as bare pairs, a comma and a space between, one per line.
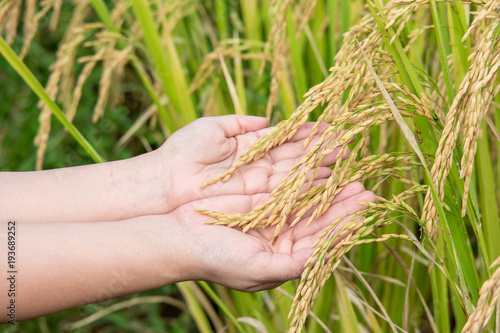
64, 265
160, 240
157, 182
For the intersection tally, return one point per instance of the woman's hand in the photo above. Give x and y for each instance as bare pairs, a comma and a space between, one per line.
248, 261
83, 263
157, 182
210, 146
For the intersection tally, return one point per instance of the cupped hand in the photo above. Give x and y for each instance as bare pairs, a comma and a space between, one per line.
209, 146
249, 261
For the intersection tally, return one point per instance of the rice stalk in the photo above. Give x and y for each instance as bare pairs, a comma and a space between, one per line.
10, 14
111, 48
489, 294
113, 61
464, 117
302, 13
31, 26
334, 243
126, 304
10, 11
37, 88
352, 106
231, 48
61, 75
277, 40
330, 93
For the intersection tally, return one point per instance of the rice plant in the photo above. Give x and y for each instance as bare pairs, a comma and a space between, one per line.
410, 87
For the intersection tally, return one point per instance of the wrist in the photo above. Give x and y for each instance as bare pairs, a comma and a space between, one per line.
146, 186
168, 165
176, 248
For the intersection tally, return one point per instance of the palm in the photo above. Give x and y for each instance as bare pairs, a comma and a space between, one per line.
249, 261
209, 147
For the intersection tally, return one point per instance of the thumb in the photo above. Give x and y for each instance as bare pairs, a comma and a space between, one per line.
285, 267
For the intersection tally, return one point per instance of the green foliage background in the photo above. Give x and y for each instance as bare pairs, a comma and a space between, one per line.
200, 29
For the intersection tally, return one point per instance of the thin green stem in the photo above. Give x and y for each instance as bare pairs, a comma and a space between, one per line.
102, 11
443, 56
167, 65
220, 304
38, 89
195, 308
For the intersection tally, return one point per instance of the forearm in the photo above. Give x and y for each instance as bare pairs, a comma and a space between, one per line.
64, 265
102, 192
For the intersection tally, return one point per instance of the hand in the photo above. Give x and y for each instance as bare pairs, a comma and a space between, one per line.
248, 261
209, 146
158, 182
109, 259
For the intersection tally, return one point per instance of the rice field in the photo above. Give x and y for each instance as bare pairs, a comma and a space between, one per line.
410, 87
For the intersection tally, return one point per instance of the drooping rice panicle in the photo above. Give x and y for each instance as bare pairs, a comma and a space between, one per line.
302, 13
335, 242
10, 11
489, 294
32, 11
277, 40
62, 71
245, 49
464, 117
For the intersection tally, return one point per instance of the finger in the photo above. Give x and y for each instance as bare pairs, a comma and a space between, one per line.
233, 125
246, 140
230, 204
294, 151
275, 179
263, 180
292, 148
288, 164
343, 208
321, 177
282, 168
336, 235
305, 130
281, 267
259, 177
351, 189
